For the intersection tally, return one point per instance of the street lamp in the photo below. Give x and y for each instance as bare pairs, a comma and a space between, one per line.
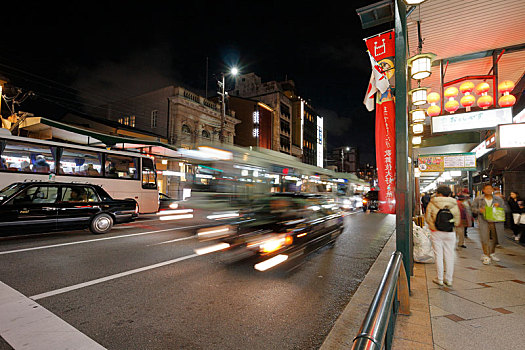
234, 71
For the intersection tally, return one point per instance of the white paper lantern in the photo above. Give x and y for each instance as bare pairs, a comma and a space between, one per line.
416, 140
420, 65
418, 115
418, 96
417, 128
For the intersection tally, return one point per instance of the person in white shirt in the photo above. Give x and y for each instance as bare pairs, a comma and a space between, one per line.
443, 242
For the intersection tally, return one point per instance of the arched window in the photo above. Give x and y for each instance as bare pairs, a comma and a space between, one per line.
205, 134
186, 129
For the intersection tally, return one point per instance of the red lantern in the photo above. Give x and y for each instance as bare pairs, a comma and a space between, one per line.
505, 87
467, 87
433, 97
467, 100
482, 88
485, 101
451, 92
452, 106
433, 110
507, 101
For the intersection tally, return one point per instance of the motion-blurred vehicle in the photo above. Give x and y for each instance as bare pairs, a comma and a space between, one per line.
166, 202
371, 201
29, 207
276, 229
349, 203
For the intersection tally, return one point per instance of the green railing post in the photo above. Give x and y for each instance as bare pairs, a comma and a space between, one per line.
403, 197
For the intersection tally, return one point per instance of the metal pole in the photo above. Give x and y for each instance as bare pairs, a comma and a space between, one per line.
470, 184
223, 112
342, 161
403, 197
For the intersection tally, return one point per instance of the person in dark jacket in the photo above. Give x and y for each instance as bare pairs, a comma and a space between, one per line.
424, 201
513, 201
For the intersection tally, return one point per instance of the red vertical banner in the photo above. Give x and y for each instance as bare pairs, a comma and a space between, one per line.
382, 48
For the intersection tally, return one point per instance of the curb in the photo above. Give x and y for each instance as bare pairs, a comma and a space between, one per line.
342, 334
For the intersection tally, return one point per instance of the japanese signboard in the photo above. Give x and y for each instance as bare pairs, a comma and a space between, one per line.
511, 135
447, 162
382, 49
471, 121
485, 146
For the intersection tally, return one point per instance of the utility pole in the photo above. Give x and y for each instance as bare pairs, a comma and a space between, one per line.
342, 161
222, 93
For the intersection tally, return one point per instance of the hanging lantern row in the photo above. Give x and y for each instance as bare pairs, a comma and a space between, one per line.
468, 100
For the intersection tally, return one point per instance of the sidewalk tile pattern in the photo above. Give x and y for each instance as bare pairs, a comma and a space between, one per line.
484, 309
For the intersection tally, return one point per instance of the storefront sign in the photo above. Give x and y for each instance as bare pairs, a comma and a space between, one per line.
320, 141
520, 117
511, 135
486, 146
447, 162
471, 121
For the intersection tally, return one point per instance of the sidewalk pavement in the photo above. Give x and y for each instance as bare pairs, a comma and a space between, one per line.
484, 309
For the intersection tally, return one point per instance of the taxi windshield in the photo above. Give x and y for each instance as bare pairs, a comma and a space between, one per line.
8, 191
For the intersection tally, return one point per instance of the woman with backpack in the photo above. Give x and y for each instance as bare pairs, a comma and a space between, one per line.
442, 216
487, 206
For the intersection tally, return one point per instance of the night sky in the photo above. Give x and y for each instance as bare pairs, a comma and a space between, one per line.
82, 55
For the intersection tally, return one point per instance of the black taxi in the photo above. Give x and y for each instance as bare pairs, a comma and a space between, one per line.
30, 207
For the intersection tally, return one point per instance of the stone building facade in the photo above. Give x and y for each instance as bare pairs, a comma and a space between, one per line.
184, 118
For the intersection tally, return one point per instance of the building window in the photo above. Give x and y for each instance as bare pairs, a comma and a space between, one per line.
154, 116
205, 134
186, 129
129, 121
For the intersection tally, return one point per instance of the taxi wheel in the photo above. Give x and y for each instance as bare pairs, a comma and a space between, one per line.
102, 223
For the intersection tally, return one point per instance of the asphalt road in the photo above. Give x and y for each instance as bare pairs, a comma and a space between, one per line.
142, 287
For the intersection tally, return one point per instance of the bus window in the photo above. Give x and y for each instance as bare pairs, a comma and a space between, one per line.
26, 157
122, 167
149, 176
78, 162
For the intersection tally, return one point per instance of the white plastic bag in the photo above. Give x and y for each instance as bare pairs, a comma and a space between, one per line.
423, 252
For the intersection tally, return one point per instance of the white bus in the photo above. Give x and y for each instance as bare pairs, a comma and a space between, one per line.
122, 174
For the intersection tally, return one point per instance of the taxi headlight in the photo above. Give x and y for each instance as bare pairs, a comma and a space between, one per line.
273, 244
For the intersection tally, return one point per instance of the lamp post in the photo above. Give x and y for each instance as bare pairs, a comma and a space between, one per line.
234, 71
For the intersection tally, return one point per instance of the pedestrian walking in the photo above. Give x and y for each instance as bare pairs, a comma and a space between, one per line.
442, 216
465, 220
467, 203
515, 211
424, 201
489, 208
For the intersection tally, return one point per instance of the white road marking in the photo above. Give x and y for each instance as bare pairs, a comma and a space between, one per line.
173, 240
25, 324
93, 240
111, 277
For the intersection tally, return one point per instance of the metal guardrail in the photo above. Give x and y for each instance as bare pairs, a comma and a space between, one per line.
391, 298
